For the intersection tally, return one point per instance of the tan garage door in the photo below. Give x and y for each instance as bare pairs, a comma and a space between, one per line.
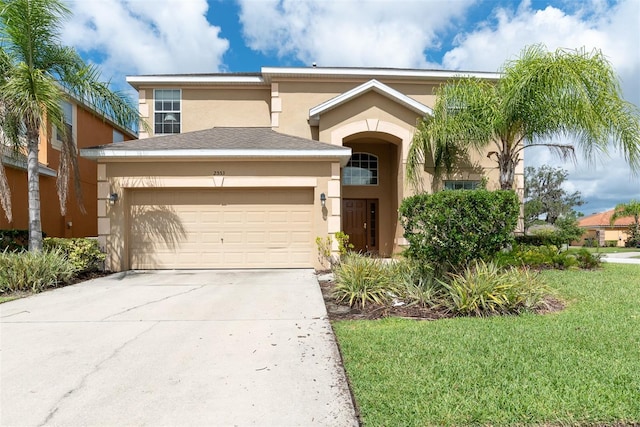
247, 228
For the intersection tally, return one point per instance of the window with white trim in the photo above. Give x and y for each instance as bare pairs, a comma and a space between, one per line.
68, 119
166, 118
362, 169
461, 185
67, 111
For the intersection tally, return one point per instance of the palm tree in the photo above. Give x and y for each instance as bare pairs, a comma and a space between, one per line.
540, 96
36, 73
624, 210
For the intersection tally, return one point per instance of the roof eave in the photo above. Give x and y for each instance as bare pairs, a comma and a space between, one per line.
138, 81
403, 74
22, 165
341, 155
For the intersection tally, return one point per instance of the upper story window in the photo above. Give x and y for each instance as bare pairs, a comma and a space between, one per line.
362, 169
117, 136
461, 185
57, 137
166, 111
67, 110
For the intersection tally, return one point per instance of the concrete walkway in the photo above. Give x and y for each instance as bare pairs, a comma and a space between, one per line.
174, 348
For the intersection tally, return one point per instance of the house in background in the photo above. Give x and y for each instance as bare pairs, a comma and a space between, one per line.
246, 170
88, 129
598, 228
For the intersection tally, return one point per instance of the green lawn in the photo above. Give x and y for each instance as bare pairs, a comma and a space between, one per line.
579, 366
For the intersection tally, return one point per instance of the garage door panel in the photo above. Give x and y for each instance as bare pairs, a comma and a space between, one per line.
246, 228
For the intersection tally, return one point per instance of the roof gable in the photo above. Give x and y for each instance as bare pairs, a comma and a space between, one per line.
371, 85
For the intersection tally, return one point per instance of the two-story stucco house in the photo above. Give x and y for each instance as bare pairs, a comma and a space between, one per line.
87, 128
246, 170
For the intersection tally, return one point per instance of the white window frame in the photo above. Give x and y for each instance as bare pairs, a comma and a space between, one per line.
473, 184
56, 142
376, 175
158, 111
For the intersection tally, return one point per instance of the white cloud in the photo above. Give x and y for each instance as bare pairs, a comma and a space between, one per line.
144, 37
349, 32
594, 25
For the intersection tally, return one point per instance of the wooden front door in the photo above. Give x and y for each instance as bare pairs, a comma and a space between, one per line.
360, 222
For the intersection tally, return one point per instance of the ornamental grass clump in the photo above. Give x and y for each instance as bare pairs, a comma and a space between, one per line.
362, 280
34, 271
415, 282
483, 289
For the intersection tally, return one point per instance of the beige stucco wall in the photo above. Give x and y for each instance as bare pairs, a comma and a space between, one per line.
619, 235
121, 177
284, 105
204, 108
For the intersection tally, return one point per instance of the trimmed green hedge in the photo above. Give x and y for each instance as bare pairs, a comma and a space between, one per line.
450, 228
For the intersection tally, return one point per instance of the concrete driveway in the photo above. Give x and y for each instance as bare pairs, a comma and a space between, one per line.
623, 257
174, 348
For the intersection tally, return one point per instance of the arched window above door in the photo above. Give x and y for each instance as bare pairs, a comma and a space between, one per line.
362, 169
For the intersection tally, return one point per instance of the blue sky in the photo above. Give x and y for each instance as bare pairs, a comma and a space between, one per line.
130, 37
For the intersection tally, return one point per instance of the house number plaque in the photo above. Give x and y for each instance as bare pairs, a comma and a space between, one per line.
218, 173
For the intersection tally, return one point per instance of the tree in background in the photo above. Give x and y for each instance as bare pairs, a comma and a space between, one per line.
544, 195
36, 75
540, 96
631, 209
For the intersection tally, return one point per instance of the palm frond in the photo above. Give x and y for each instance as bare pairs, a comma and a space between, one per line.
5, 193
572, 94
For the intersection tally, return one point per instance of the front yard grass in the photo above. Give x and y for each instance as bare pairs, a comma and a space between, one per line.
578, 366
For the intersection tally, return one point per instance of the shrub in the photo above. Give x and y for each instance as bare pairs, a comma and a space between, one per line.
34, 271
610, 243
84, 254
14, 240
450, 228
588, 260
362, 280
324, 248
482, 289
548, 256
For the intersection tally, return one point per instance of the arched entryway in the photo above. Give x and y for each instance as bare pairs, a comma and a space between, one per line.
370, 192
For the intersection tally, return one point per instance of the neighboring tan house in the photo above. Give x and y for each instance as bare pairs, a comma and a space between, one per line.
598, 227
88, 129
246, 170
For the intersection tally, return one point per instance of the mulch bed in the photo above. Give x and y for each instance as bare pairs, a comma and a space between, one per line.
338, 311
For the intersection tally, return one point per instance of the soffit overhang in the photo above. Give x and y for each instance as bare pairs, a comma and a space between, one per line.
372, 85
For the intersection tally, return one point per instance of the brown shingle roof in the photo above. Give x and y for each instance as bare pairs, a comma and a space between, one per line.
224, 138
603, 219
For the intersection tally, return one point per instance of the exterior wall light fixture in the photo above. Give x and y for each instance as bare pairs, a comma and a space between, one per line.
113, 198
323, 199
